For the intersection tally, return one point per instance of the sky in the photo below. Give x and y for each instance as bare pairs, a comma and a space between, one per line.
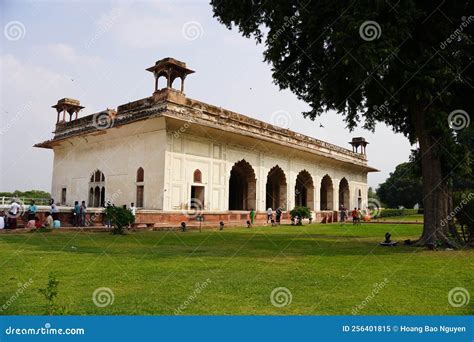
97, 52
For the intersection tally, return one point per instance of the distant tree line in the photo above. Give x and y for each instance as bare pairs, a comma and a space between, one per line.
26, 194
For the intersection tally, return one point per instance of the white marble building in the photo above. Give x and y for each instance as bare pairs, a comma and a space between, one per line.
168, 153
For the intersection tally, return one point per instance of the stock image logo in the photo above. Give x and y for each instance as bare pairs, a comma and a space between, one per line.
194, 208
458, 297
458, 119
104, 120
281, 118
281, 297
370, 30
103, 296
14, 30
192, 30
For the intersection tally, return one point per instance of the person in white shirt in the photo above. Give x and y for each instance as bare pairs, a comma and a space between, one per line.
2, 221
14, 211
269, 215
133, 209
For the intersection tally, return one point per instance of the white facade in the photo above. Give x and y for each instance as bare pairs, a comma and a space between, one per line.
169, 161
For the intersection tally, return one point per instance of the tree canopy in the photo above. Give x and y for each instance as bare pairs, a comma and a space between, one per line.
402, 188
407, 64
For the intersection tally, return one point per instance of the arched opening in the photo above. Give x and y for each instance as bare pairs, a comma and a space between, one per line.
344, 195
197, 176
97, 189
276, 189
140, 187
242, 187
326, 193
140, 174
304, 190
91, 197
359, 199
177, 83
161, 82
96, 196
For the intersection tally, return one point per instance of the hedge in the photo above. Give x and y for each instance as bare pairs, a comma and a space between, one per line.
396, 212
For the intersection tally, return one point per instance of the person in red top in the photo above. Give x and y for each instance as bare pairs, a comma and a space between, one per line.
355, 215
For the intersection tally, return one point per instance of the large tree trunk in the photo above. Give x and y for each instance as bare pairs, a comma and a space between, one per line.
435, 188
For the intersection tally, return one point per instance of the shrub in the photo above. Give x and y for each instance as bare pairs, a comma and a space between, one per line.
119, 217
396, 212
301, 213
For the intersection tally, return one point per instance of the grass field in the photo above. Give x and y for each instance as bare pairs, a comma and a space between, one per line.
326, 269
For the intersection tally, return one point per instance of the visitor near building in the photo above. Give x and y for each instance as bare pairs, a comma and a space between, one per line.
32, 209
48, 221
278, 212
14, 212
252, 216
83, 213
133, 209
77, 214
269, 215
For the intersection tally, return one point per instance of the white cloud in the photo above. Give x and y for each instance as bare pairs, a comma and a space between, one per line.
136, 26
68, 54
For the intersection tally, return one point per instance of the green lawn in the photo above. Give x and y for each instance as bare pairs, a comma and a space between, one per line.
329, 269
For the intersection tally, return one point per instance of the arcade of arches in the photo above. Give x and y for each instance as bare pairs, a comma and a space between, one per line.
243, 189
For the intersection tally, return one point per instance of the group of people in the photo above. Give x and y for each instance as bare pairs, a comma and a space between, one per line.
79, 214
278, 215
356, 214
274, 222
9, 218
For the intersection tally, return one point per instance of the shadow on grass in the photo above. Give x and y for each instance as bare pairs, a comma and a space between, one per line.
255, 242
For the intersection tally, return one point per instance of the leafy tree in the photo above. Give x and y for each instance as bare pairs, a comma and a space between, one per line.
402, 188
407, 64
372, 194
301, 213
